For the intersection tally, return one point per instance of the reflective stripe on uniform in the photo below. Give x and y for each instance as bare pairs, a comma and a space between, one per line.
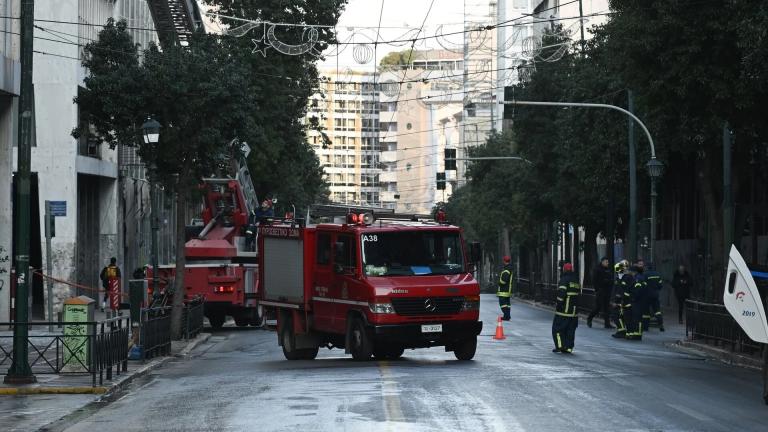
506, 306
508, 292
562, 314
559, 342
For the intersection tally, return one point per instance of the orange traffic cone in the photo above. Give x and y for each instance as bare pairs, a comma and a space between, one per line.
499, 331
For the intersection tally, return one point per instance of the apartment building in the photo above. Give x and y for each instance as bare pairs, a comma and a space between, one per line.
347, 144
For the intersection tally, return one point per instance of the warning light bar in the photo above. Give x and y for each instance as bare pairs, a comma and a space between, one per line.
360, 219
223, 289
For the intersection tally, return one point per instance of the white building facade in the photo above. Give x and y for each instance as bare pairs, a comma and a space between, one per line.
80, 172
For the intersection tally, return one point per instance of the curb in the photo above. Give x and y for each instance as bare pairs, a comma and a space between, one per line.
154, 364
18, 391
724, 356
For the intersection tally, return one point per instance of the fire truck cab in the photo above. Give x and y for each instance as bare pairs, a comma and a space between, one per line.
372, 288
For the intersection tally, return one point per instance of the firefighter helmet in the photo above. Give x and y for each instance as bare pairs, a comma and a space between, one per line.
621, 266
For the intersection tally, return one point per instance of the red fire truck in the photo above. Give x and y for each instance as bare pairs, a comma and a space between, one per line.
221, 256
374, 288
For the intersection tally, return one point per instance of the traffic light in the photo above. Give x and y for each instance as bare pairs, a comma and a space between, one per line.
440, 181
450, 159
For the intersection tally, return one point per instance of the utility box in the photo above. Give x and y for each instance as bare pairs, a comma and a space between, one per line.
137, 295
79, 313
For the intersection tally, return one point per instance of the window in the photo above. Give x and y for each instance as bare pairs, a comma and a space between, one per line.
323, 249
412, 253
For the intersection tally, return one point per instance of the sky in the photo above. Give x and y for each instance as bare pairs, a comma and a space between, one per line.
360, 21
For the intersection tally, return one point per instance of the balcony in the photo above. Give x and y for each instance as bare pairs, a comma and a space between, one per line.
388, 177
388, 156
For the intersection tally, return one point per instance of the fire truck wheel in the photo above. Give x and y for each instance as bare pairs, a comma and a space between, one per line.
259, 318
465, 350
361, 343
289, 343
217, 321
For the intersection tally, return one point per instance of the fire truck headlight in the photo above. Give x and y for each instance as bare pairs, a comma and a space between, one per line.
381, 308
471, 303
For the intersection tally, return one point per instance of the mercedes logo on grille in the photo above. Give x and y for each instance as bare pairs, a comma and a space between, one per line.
429, 306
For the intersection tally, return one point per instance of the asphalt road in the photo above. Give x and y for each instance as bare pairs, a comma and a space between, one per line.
239, 381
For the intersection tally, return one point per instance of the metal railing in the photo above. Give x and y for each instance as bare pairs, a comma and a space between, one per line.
193, 318
546, 293
155, 337
78, 348
712, 324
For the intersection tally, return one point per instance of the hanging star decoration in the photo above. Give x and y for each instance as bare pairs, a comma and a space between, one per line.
260, 45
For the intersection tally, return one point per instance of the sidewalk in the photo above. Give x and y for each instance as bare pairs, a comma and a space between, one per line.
674, 338
32, 406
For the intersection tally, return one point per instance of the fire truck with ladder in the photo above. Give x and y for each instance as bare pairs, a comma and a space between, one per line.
221, 256
371, 284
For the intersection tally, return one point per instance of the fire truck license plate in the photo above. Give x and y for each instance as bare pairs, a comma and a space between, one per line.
432, 328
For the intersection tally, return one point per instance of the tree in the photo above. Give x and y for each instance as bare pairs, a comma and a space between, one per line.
197, 93
567, 149
283, 164
398, 59
694, 70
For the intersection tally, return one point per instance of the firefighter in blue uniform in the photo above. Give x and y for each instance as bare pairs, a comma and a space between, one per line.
504, 292
638, 295
654, 284
623, 278
566, 320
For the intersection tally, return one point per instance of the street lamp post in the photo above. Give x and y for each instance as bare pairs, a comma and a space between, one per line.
653, 164
20, 371
151, 136
655, 169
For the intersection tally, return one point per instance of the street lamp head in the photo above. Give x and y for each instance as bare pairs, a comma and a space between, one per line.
655, 168
150, 131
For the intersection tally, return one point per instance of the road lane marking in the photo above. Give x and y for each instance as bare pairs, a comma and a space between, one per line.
393, 411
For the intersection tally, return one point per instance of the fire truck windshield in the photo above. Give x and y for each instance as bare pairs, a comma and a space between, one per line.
412, 253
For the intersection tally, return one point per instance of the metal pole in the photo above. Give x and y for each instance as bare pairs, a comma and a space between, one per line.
20, 372
155, 228
727, 192
49, 221
632, 240
590, 105
653, 220
581, 24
